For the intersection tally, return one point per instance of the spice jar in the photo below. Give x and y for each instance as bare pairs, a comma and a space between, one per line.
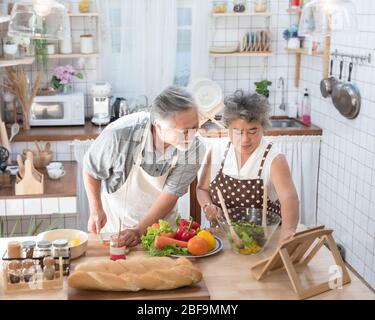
220, 7
49, 268
28, 247
14, 250
61, 249
87, 43
44, 249
15, 272
117, 250
28, 270
84, 6
260, 5
239, 6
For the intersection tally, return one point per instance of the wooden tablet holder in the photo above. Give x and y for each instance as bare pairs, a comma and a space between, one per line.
295, 252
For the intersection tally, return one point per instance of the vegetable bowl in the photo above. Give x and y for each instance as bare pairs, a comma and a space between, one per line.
247, 224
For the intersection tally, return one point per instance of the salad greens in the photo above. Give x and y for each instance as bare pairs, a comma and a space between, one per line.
149, 238
250, 233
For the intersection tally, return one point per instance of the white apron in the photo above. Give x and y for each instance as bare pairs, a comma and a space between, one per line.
136, 196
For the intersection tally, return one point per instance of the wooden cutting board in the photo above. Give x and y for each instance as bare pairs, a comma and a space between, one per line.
197, 292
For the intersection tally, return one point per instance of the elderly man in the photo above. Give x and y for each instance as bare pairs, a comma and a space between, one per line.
146, 161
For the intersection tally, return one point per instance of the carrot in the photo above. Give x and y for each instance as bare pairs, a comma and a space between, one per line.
161, 242
168, 234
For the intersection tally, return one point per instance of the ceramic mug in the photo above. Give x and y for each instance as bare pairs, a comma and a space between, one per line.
56, 173
54, 166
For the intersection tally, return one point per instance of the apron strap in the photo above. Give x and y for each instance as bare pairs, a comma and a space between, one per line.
224, 157
264, 159
143, 143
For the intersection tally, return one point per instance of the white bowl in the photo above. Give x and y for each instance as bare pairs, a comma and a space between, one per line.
69, 234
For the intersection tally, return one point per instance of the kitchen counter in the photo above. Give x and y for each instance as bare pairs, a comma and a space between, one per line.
66, 186
91, 131
227, 276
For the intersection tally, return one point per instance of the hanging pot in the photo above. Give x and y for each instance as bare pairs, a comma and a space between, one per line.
326, 85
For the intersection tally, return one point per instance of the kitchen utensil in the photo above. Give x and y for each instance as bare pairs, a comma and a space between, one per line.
348, 98
21, 170
14, 131
237, 240
38, 147
4, 156
224, 49
56, 173
338, 83
4, 141
47, 147
326, 85
40, 159
264, 207
283, 105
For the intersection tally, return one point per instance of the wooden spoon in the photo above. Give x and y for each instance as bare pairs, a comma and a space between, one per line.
237, 240
47, 147
264, 210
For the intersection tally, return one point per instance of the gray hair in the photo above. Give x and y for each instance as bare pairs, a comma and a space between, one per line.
172, 100
247, 106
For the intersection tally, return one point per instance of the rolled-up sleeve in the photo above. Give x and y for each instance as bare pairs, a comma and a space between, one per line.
185, 171
99, 158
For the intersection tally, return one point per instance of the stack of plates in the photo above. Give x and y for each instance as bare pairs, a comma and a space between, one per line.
224, 49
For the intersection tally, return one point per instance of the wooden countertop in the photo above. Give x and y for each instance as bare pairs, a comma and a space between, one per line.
63, 187
91, 131
227, 276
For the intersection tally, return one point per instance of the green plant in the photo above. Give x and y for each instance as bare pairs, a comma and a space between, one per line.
41, 53
32, 229
262, 87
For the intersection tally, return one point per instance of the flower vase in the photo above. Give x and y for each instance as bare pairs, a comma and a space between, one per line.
67, 88
294, 43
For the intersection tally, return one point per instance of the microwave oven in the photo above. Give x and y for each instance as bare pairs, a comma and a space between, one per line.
58, 110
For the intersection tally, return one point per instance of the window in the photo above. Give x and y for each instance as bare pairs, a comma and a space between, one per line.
183, 58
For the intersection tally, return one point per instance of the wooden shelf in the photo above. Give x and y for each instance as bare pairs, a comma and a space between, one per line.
242, 14
242, 54
4, 19
73, 55
16, 62
304, 52
294, 10
90, 14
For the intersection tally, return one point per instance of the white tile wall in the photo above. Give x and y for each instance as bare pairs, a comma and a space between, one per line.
50, 205
346, 193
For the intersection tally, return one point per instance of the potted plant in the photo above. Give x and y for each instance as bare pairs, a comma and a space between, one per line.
63, 76
291, 35
261, 87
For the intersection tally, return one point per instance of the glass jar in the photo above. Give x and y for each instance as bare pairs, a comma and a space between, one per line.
14, 250
49, 268
87, 43
220, 7
117, 250
61, 249
239, 6
44, 249
260, 6
28, 247
28, 270
84, 6
15, 271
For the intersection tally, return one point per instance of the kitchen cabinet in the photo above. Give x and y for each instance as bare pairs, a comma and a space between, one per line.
227, 275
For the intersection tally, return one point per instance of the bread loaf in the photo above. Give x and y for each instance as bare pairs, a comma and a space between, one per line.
150, 273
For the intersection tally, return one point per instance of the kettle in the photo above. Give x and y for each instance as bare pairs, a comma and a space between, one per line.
119, 109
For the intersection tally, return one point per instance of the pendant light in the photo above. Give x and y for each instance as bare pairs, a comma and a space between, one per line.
320, 17
39, 19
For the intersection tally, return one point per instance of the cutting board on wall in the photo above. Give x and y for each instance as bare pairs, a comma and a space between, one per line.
197, 292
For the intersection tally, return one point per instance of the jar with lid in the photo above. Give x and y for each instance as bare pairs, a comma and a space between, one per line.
28, 270
117, 249
49, 268
84, 6
220, 7
14, 250
239, 6
28, 247
61, 249
15, 271
44, 249
260, 6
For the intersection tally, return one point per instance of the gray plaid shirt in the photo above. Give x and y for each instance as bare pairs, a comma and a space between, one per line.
113, 153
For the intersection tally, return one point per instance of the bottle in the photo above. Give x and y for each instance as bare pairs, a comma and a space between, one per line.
61, 249
117, 250
306, 108
49, 268
28, 270
15, 271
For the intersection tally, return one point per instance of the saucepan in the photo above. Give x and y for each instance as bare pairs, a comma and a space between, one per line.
326, 85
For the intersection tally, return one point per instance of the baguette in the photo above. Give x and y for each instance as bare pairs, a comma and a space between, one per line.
149, 273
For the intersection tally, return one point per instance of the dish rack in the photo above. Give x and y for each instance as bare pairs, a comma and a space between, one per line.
39, 282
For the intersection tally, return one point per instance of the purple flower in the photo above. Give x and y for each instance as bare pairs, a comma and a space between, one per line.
64, 74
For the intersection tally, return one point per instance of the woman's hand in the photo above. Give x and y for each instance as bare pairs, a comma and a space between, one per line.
211, 211
130, 237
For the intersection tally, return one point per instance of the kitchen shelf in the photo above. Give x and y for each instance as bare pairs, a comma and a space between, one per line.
304, 52
294, 10
4, 19
90, 14
73, 55
242, 14
242, 54
16, 62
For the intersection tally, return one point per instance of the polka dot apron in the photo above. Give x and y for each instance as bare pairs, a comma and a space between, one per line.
242, 193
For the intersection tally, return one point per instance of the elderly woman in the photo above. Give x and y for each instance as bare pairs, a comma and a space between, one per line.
242, 166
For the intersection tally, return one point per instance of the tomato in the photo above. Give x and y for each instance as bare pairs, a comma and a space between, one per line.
197, 246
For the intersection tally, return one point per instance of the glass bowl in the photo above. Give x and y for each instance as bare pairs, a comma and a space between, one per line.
247, 224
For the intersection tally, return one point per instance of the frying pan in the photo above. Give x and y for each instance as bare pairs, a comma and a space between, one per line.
326, 85
338, 83
347, 99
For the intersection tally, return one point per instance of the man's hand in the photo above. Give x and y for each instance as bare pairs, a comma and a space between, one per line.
130, 237
97, 221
